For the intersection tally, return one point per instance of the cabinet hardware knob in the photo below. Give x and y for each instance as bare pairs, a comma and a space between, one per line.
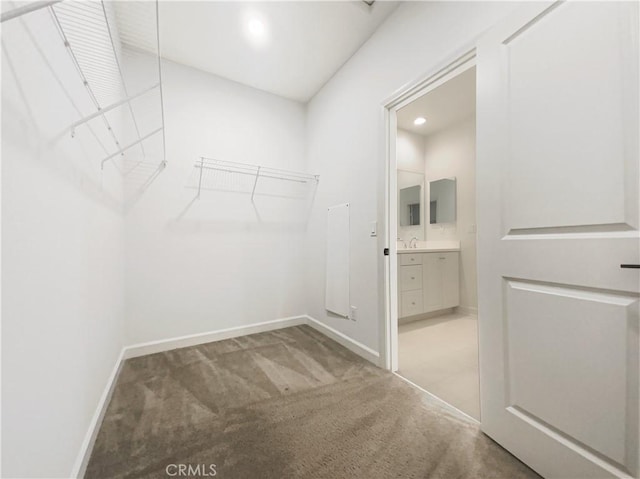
413, 277
413, 302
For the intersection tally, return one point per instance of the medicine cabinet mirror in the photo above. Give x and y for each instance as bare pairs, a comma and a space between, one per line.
442, 201
411, 211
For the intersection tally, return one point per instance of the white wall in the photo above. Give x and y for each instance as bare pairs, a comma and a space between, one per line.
451, 153
221, 261
346, 142
62, 259
410, 151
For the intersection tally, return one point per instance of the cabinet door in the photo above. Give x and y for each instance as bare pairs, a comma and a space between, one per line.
432, 282
450, 284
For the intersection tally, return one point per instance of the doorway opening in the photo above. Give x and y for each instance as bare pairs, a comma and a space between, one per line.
432, 337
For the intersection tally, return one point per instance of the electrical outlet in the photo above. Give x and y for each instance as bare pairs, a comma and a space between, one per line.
354, 313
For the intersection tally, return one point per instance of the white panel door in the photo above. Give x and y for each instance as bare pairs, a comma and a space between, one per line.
557, 182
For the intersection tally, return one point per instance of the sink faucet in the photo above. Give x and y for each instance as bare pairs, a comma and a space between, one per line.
411, 241
404, 243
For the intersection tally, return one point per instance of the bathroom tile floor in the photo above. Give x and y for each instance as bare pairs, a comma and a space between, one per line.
440, 355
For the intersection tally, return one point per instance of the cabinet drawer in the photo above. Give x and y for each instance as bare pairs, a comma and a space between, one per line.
410, 278
410, 303
408, 259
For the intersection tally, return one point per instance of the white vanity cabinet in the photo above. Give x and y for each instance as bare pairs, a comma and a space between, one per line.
428, 282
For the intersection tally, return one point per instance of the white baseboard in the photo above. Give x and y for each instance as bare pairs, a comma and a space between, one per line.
420, 317
341, 338
467, 310
142, 349
82, 460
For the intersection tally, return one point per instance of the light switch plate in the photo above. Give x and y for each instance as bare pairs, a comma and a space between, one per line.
374, 228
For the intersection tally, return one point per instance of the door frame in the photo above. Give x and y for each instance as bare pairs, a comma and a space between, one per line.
443, 72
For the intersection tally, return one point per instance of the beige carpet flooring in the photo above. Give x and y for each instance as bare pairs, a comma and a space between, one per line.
441, 356
284, 404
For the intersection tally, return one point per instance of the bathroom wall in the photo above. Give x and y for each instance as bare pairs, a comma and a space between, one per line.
220, 261
451, 153
62, 256
346, 143
410, 151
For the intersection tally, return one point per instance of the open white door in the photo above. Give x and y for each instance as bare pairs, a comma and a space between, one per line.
557, 174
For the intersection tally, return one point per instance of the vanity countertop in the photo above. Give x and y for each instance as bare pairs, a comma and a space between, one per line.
432, 247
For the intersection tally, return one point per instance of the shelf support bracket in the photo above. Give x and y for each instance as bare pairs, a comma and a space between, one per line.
122, 150
200, 179
255, 183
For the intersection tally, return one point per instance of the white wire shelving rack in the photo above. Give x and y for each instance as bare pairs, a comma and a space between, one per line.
214, 174
96, 37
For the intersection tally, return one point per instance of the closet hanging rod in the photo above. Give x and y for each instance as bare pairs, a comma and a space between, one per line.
122, 150
110, 107
30, 7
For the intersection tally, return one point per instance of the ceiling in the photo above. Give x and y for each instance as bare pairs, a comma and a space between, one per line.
450, 103
303, 43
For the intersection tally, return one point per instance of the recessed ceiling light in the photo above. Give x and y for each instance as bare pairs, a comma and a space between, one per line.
256, 27
419, 121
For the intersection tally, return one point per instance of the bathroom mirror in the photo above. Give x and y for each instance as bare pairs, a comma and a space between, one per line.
442, 201
411, 213
410, 206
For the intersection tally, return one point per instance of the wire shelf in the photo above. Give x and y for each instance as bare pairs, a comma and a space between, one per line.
113, 56
231, 176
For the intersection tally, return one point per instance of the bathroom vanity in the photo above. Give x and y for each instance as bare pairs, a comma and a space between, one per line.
428, 274
428, 279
